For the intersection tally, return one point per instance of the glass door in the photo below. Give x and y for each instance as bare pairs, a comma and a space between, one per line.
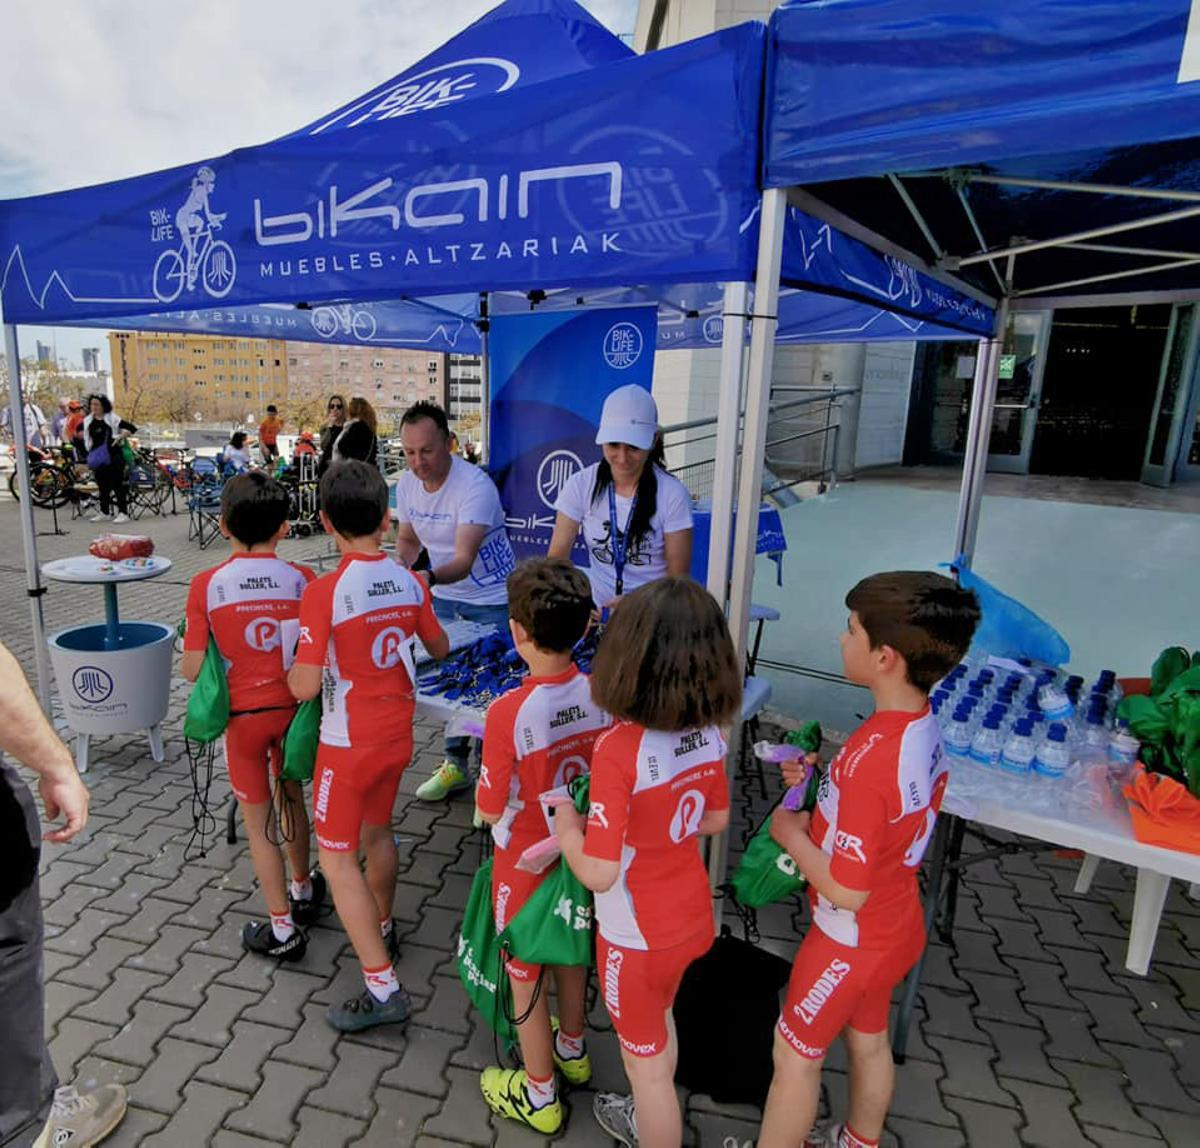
1018, 392
1165, 445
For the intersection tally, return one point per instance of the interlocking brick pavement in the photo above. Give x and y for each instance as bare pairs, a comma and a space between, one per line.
1029, 1030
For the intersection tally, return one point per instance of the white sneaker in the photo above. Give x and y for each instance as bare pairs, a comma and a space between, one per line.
100, 518
120, 518
83, 1118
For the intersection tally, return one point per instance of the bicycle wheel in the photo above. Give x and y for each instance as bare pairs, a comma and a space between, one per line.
219, 270
363, 325
49, 486
169, 274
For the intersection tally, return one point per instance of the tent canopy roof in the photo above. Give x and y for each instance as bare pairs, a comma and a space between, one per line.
955, 130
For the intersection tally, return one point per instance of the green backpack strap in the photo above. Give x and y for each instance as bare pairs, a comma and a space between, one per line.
208, 704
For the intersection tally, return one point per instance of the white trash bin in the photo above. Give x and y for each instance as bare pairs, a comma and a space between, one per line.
107, 691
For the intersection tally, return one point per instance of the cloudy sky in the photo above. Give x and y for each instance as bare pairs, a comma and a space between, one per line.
93, 90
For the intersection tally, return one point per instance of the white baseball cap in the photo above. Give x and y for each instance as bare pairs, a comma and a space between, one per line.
629, 416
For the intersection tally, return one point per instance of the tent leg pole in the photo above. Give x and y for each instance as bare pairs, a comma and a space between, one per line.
729, 410
485, 381
979, 432
764, 322
33, 572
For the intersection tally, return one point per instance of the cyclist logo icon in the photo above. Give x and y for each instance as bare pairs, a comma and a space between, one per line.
343, 318
199, 256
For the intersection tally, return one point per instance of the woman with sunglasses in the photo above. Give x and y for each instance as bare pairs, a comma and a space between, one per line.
336, 411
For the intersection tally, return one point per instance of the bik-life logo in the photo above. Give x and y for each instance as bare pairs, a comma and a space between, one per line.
200, 257
433, 88
554, 473
622, 346
92, 684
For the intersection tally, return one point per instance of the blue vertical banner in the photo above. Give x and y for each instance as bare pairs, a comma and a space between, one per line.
550, 374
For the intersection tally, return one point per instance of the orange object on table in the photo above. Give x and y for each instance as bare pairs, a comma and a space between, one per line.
118, 547
1164, 813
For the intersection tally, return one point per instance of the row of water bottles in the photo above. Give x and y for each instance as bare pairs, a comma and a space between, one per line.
1032, 720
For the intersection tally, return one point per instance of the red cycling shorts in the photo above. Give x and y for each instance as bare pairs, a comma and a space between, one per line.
833, 987
639, 987
353, 787
252, 752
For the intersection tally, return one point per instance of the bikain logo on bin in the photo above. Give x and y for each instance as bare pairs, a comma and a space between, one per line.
92, 684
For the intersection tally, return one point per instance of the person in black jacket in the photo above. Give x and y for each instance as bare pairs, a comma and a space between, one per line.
336, 410
103, 429
358, 438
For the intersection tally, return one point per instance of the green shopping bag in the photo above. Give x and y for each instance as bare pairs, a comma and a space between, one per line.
480, 963
208, 704
300, 742
766, 872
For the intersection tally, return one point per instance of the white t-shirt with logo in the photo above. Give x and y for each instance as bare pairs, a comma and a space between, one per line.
468, 497
645, 562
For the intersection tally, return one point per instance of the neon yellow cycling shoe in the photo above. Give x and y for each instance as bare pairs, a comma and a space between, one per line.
507, 1094
577, 1070
447, 780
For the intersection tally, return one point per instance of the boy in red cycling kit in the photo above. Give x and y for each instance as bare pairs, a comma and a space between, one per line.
250, 604
538, 737
860, 851
667, 672
356, 626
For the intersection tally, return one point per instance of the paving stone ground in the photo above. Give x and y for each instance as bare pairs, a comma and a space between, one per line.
1029, 1030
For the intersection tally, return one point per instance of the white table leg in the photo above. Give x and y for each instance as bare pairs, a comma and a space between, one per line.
1148, 898
1087, 871
81, 752
156, 742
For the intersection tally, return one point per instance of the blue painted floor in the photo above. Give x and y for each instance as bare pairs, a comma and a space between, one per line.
1119, 583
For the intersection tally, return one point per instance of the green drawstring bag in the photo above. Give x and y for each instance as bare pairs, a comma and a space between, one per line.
300, 742
554, 927
208, 703
481, 961
766, 872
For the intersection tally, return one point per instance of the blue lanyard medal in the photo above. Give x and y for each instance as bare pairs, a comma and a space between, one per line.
620, 538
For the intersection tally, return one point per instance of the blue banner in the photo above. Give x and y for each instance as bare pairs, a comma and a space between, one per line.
637, 170
550, 374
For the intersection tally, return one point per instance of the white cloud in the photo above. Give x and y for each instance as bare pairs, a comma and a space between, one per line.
96, 90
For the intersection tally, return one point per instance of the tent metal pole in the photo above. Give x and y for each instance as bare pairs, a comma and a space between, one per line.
1121, 249
1131, 273
485, 381
1075, 237
33, 572
1086, 188
983, 244
979, 431
918, 218
729, 411
764, 321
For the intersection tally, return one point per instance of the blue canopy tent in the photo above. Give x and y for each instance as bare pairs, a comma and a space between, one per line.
533, 151
1000, 147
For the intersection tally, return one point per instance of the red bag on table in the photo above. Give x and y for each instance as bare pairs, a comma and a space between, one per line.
118, 547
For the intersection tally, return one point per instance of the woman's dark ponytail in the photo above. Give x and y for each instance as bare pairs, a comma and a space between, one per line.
647, 491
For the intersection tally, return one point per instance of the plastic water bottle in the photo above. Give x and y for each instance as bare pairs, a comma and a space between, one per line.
1094, 742
1123, 747
957, 738
1054, 703
988, 743
1019, 749
1054, 753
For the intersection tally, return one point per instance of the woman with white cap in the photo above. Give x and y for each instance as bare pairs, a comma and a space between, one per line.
636, 518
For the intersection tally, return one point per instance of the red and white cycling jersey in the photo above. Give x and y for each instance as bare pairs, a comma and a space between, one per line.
649, 792
251, 606
537, 737
875, 813
358, 622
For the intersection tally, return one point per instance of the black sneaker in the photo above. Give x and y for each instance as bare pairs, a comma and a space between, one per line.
306, 912
392, 943
258, 937
364, 1011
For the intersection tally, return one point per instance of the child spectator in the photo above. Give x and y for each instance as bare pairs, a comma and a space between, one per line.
860, 851
235, 457
538, 737
667, 672
356, 626
250, 604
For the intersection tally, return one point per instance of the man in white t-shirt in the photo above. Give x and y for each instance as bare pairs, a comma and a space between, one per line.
451, 510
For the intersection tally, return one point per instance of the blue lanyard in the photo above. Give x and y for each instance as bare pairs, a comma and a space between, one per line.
620, 538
